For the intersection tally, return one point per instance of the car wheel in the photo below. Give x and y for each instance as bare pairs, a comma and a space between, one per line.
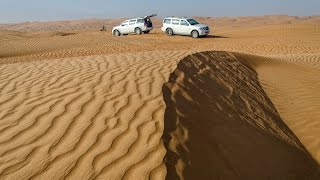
169, 32
116, 33
137, 31
146, 32
195, 34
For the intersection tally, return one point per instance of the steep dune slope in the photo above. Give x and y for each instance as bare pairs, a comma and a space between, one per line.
219, 123
293, 86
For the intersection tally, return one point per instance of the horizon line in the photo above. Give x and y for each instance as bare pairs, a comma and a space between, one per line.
108, 18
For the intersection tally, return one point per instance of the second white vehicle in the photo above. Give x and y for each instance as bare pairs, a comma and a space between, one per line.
136, 25
184, 26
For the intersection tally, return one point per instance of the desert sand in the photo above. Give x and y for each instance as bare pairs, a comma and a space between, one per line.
242, 103
218, 116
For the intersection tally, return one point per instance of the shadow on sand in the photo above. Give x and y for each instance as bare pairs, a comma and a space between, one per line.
220, 124
215, 37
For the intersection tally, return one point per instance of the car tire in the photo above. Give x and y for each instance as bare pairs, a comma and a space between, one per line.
169, 32
137, 31
146, 32
195, 34
116, 32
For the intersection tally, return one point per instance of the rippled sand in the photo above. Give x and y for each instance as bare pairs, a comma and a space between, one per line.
83, 104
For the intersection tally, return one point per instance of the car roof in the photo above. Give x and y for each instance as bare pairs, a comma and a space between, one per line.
177, 17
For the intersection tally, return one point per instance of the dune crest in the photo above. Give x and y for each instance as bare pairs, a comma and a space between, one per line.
219, 123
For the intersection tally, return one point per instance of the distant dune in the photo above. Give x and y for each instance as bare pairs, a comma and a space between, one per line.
78, 103
96, 24
88, 24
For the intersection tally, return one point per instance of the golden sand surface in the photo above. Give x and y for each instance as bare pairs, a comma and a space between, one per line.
78, 103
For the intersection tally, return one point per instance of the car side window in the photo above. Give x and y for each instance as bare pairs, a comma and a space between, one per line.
167, 21
125, 23
175, 21
140, 21
131, 22
184, 23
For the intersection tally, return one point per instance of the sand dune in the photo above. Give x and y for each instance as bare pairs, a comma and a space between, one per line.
291, 82
298, 88
219, 124
78, 103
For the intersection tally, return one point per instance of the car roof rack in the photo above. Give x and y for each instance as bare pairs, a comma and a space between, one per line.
180, 17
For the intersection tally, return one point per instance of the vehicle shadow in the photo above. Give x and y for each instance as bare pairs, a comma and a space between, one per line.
214, 36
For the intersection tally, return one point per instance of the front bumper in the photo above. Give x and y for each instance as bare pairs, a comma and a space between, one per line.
204, 32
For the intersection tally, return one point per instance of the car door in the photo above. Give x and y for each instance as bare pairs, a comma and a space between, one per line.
175, 25
184, 27
124, 27
132, 25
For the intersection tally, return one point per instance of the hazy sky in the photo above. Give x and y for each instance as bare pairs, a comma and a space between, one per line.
43, 10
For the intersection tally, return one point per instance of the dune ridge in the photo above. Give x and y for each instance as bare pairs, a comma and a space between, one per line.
291, 82
220, 124
49, 110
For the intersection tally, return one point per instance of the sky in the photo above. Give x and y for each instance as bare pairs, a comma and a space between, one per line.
12, 11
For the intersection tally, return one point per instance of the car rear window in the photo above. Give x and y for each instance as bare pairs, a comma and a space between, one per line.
125, 23
175, 21
140, 21
132, 22
167, 21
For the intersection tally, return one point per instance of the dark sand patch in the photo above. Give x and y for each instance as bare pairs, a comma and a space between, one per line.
220, 124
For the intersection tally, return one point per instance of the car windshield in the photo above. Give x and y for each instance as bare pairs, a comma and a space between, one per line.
192, 21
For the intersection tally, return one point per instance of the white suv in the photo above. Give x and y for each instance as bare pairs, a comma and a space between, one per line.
184, 26
136, 25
